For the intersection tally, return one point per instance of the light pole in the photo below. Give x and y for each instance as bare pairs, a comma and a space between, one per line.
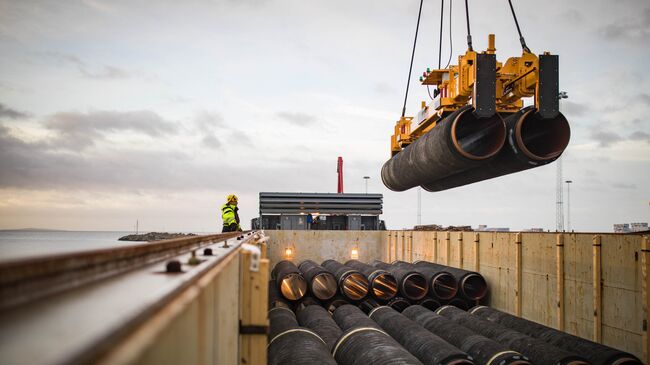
366, 178
568, 205
559, 208
419, 206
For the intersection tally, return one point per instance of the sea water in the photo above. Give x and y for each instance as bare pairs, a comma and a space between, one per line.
22, 244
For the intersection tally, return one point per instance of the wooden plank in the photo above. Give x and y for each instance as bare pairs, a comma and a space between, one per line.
435, 246
253, 309
518, 269
447, 248
460, 250
411, 247
477, 260
598, 290
645, 290
388, 246
559, 261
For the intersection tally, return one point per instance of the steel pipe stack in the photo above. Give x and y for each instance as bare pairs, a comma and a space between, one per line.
275, 297
290, 344
429, 304
334, 303
532, 142
364, 342
483, 350
426, 346
319, 320
471, 284
459, 142
322, 283
538, 351
596, 353
442, 284
410, 284
289, 280
353, 285
383, 285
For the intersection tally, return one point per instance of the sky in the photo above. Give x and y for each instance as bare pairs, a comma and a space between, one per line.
117, 111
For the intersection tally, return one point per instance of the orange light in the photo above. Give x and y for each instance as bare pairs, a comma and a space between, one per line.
354, 254
288, 252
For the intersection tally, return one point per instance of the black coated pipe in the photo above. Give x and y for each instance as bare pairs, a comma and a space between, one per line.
334, 303
426, 346
383, 285
305, 302
322, 283
364, 342
471, 284
457, 143
320, 321
428, 303
536, 350
483, 350
461, 303
353, 285
410, 284
275, 298
290, 344
398, 304
596, 353
532, 142
442, 284
368, 305
289, 280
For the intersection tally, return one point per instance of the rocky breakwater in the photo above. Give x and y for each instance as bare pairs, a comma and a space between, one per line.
154, 236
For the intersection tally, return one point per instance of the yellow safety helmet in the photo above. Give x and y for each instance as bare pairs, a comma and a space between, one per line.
231, 198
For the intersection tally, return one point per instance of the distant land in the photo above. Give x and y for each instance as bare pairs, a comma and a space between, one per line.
35, 230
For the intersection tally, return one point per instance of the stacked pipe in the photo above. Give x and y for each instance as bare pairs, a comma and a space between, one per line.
538, 351
459, 142
290, 344
471, 285
426, 346
353, 285
289, 280
442, 284
364, 342
275, 297
322, 283
532, 142
383, 285
596, 353
319, 320
410, 284
483, 350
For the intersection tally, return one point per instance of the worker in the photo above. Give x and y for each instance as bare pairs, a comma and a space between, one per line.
229, 214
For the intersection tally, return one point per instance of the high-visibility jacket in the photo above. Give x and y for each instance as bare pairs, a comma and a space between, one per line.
229, 214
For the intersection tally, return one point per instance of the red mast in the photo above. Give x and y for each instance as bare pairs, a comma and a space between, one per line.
339, 170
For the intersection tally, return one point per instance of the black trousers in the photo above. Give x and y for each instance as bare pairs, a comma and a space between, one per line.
231, 228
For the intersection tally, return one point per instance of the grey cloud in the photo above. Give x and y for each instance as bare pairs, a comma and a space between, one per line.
106, 72
640, 136
297, 118
574, 109
624, 186
629, 29
79, 130
210, 141
209, 121
645, 98
605, 138
241, 138
6, 112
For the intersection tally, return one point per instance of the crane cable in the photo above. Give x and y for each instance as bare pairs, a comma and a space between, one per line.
469, 33
521, 37
436, 92
408, 81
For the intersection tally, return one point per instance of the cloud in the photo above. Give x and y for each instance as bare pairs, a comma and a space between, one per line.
6, 112
640, 136
297, 118
211, 141
105, 72
605, 138
645, 98
628, 29
79, 130
573, 109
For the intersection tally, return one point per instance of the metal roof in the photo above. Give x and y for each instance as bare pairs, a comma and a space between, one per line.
322, 203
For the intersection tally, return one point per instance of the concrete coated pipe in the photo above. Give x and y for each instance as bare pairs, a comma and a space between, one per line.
410, 284
383, 285
353, 285
322, 283
289, 280
426, 346
483, 350
320, 321
457, 143
536, 350
596, 353
532, 142
442, 284
471, 284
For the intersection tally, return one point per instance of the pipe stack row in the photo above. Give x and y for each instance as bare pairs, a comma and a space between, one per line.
364, 326
398, 285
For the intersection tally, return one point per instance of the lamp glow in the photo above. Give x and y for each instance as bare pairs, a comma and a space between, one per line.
354, 254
